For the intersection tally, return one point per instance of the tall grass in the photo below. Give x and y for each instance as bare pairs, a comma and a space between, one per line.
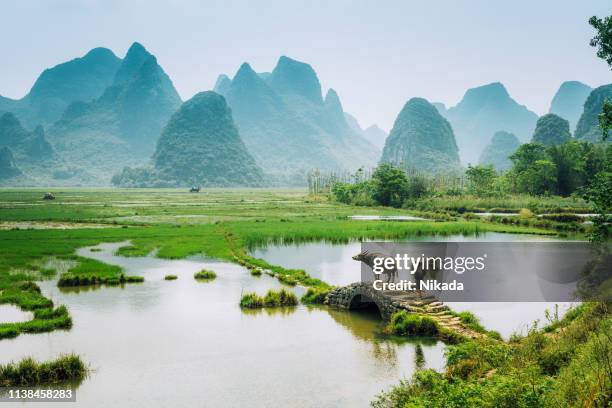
29, 372
271, 299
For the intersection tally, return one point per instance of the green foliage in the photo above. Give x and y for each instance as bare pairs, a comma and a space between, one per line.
315, 296
170, 277
355, 194
409, 324
29, 372
603, 39
533, 172
389, 185
205, 274
568, 366
481, 179
272, 299
91, 272
605, 119
599, 194
251, 301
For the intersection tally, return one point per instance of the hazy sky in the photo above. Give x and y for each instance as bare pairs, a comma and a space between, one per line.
376, 54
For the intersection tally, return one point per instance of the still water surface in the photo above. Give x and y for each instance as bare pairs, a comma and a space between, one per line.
334, 264
185, 343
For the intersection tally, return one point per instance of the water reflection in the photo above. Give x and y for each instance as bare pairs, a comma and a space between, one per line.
141, 338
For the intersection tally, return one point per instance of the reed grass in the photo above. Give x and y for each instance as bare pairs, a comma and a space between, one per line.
205, 274
29, 372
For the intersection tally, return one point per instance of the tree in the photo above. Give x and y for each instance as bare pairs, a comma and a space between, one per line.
533, 171
603, 38
389, 185
481, 179
603, 42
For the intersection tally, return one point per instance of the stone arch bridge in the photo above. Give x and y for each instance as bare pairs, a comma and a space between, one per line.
361, 295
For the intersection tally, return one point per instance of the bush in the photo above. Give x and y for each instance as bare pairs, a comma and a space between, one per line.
170, 277
406, 324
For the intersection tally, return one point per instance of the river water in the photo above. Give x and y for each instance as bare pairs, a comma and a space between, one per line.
185, 343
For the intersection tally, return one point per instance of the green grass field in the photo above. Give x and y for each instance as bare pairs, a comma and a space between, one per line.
219, 223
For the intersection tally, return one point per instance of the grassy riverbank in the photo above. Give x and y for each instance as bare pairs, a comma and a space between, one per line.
566, 363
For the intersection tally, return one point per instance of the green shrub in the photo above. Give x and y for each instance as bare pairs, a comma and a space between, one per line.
205, 274
406, 324
170, 277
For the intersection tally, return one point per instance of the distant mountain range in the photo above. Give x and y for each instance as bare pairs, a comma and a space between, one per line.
288, 126
498, 152
483, 111
81, 79
87, 119
200, 145
588, 128
568, 102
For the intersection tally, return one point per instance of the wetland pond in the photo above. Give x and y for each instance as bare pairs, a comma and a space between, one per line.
186, 343
334, 264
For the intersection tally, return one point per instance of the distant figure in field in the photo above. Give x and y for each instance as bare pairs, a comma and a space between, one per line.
48, 196
194, 189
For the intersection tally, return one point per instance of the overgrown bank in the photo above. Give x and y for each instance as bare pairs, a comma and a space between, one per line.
567, 363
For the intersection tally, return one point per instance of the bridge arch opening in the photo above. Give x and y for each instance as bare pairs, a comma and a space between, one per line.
363, 303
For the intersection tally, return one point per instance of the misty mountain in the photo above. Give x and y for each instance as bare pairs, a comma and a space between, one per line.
372, 134
8, 167
482, 112
422, 139
551, 130
122, 126
199, 146
27, 153
498, 152
588, 128
569, 100
288, 126
81, 79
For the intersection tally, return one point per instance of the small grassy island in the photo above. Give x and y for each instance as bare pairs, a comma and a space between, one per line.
272, 299
205, 274
29, 372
